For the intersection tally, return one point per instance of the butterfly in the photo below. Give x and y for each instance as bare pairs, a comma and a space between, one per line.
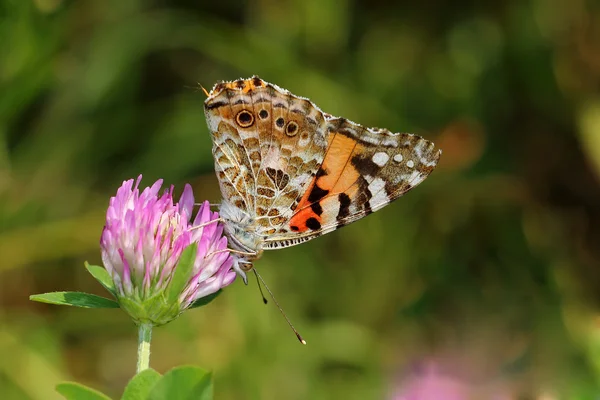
289, 172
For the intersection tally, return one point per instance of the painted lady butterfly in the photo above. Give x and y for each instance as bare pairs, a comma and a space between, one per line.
289, 172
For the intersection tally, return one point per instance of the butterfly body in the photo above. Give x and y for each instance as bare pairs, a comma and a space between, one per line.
289, 172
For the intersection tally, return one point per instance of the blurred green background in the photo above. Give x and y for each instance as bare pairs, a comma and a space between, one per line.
484, 280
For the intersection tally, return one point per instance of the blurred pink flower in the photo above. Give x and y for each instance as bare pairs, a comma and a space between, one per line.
428, 382
142, 242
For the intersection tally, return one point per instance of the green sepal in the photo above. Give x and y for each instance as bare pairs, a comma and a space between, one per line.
182, 274
140, 386
77, 391
205, 300
156, 309
184, 383
76, 299
102, 276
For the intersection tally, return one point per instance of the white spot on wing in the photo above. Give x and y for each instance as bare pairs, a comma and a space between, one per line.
415, 178
377, 189
410, 164
398, 158
380, 159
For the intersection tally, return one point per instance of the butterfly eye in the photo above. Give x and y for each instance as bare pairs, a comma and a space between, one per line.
244, 118
246, 266
291, 129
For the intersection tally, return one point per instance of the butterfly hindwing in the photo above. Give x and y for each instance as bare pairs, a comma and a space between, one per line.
268, 145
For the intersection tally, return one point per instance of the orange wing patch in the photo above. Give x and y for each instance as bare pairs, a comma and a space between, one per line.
336, 175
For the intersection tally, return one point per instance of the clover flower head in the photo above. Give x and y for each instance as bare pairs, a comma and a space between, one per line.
142, 245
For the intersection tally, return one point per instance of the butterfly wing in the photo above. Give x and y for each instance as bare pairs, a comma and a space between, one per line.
298, 173
364, 169
268, 145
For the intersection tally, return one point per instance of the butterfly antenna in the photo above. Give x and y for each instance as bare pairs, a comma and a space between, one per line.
278, 306
205, 91
264, 299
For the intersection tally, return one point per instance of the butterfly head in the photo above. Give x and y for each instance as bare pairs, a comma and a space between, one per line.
243, 237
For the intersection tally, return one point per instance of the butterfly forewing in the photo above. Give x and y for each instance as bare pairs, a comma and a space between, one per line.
364, 170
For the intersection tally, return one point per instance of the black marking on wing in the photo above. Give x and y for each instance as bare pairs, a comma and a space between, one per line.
364, 195
257, 81
216, 104
317, 194
316, 208
313, 224
345, 202
365, 165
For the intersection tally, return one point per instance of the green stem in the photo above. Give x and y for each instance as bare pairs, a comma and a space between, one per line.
144, 336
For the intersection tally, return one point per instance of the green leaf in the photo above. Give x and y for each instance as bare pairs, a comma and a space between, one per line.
139, 386
77, 299
205, 300
102, 276
76, 391
184, 383
183, 273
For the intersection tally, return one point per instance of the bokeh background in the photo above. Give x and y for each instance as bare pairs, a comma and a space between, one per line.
482, 282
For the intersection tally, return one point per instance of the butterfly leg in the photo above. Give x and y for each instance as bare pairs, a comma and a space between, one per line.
239, 264
207, 223
243, 253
